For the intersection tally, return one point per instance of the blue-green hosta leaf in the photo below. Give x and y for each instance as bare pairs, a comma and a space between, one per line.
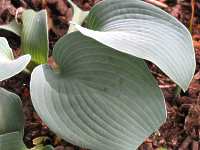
12, 122
12, 27
35, 35
145, 31
78, 16
98, 98
10, 66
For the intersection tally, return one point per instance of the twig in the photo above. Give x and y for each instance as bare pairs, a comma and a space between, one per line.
167, 86
192, 15
195, 145
157, 3
185, 143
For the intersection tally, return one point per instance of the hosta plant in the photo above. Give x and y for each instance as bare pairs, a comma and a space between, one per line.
34, 24
101, 94
12, 123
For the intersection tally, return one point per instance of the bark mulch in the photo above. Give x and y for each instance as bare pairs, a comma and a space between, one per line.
182, 128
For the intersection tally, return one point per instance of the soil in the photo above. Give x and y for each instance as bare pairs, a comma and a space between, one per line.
182, 128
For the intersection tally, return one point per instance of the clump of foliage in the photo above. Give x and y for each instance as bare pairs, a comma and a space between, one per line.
101, 94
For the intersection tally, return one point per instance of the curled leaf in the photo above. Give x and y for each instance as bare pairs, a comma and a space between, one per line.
98, 98
145, 31
12, 122
12, 27
34, 35
8, 65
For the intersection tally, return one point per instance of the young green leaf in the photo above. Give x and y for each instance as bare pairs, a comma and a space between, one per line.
34, 35
98, 98
12, 27
12, 122
10, 66
145, 31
